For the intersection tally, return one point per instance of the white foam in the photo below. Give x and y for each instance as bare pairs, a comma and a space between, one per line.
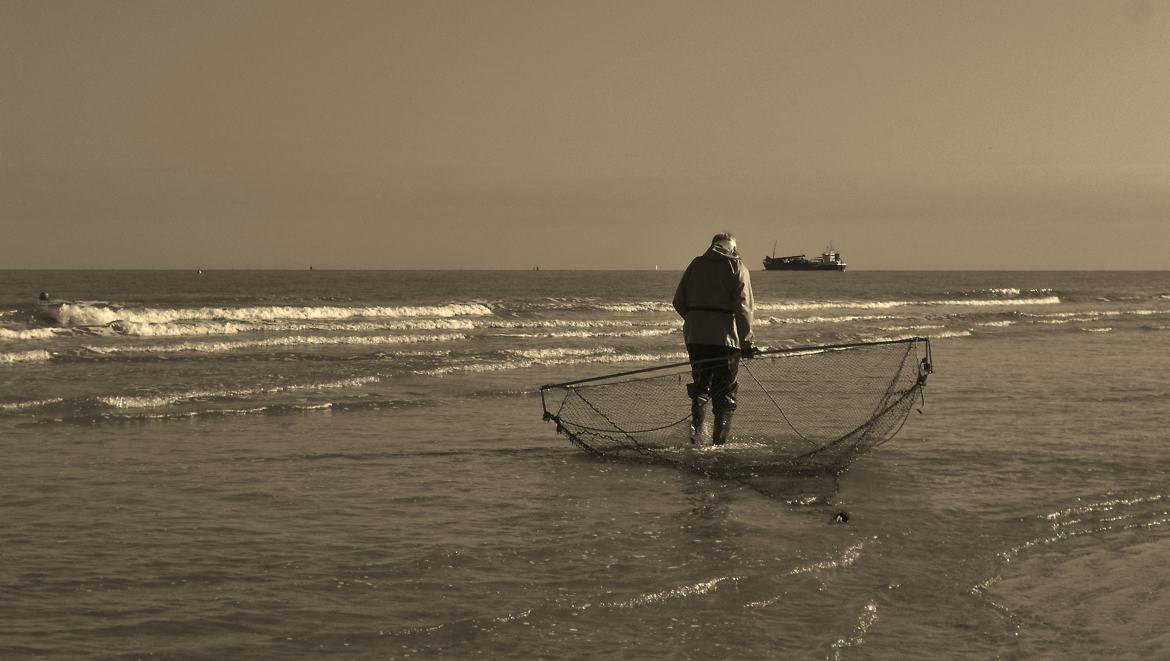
933, 336
29, 404
1104, 506
541, 354
571, 323
511, 617
415, 354
313, 407
996, 324
87, 314
1056, 315
883, 305
910, 328
848, 557
946, 334
641, 306
156, 401
1089, 315
582, 333
1097, 330
703, 587
178, 330
209, 327
830, 320
33, 356
1139, 313
233, 327
27, 333
1103, 517
564, 360
830, 305
1000, 291
864, 622
270, 342
1041, 300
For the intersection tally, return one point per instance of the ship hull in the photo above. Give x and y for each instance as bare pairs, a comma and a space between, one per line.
803, 267
830, 261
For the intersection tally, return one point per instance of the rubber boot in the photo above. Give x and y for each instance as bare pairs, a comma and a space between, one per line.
722, 427
698, 413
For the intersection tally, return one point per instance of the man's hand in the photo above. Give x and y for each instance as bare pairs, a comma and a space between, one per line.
748, 350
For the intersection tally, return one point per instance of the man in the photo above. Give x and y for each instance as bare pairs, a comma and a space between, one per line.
715, 301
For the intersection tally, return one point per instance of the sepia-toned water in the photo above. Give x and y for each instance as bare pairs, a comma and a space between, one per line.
284, 465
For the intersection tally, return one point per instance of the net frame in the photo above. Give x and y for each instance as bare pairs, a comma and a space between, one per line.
875, 380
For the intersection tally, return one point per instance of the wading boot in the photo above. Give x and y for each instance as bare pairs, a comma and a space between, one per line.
722, 428
697, 416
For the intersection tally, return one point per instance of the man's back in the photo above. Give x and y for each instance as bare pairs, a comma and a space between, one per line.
714, 297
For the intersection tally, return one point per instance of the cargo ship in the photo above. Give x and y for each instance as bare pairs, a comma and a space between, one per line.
830, 260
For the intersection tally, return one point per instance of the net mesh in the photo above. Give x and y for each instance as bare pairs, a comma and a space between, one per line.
804, 409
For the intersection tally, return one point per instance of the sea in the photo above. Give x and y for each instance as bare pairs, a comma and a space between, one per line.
354, 465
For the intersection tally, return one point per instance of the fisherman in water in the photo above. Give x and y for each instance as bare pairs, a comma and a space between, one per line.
715, 301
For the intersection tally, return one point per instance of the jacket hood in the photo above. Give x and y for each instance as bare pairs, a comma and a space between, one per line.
719, 251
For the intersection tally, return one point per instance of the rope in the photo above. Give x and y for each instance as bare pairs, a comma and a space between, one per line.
776, 404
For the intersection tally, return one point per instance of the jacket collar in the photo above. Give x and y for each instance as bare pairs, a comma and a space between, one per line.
717, 251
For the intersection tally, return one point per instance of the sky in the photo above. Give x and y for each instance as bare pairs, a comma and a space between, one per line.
587, 134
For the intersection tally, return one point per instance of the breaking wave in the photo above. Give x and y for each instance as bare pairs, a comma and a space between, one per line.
933, 336
28, 334
883, 305
29, 404
895, 329
1001, 291
988, 296
290, 341
190, 328
598, 334
598, 356
830, 320
1002, 297
86, 314
157, 401
234, 327
541, 354
643, 306
36, 355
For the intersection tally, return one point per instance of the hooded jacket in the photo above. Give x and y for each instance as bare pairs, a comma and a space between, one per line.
714, 298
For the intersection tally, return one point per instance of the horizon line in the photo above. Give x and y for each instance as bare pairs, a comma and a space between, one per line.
568, 270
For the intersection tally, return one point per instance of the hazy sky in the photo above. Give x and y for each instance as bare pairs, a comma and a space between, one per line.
586, 134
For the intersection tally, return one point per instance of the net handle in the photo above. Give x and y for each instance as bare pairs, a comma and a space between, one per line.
765, 352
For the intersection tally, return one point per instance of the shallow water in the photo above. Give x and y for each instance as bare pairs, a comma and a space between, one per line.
264, 497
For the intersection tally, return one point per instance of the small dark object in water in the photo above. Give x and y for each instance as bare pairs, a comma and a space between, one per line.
841, 517
44, 296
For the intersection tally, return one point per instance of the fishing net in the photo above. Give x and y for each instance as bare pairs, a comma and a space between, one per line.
799, 409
